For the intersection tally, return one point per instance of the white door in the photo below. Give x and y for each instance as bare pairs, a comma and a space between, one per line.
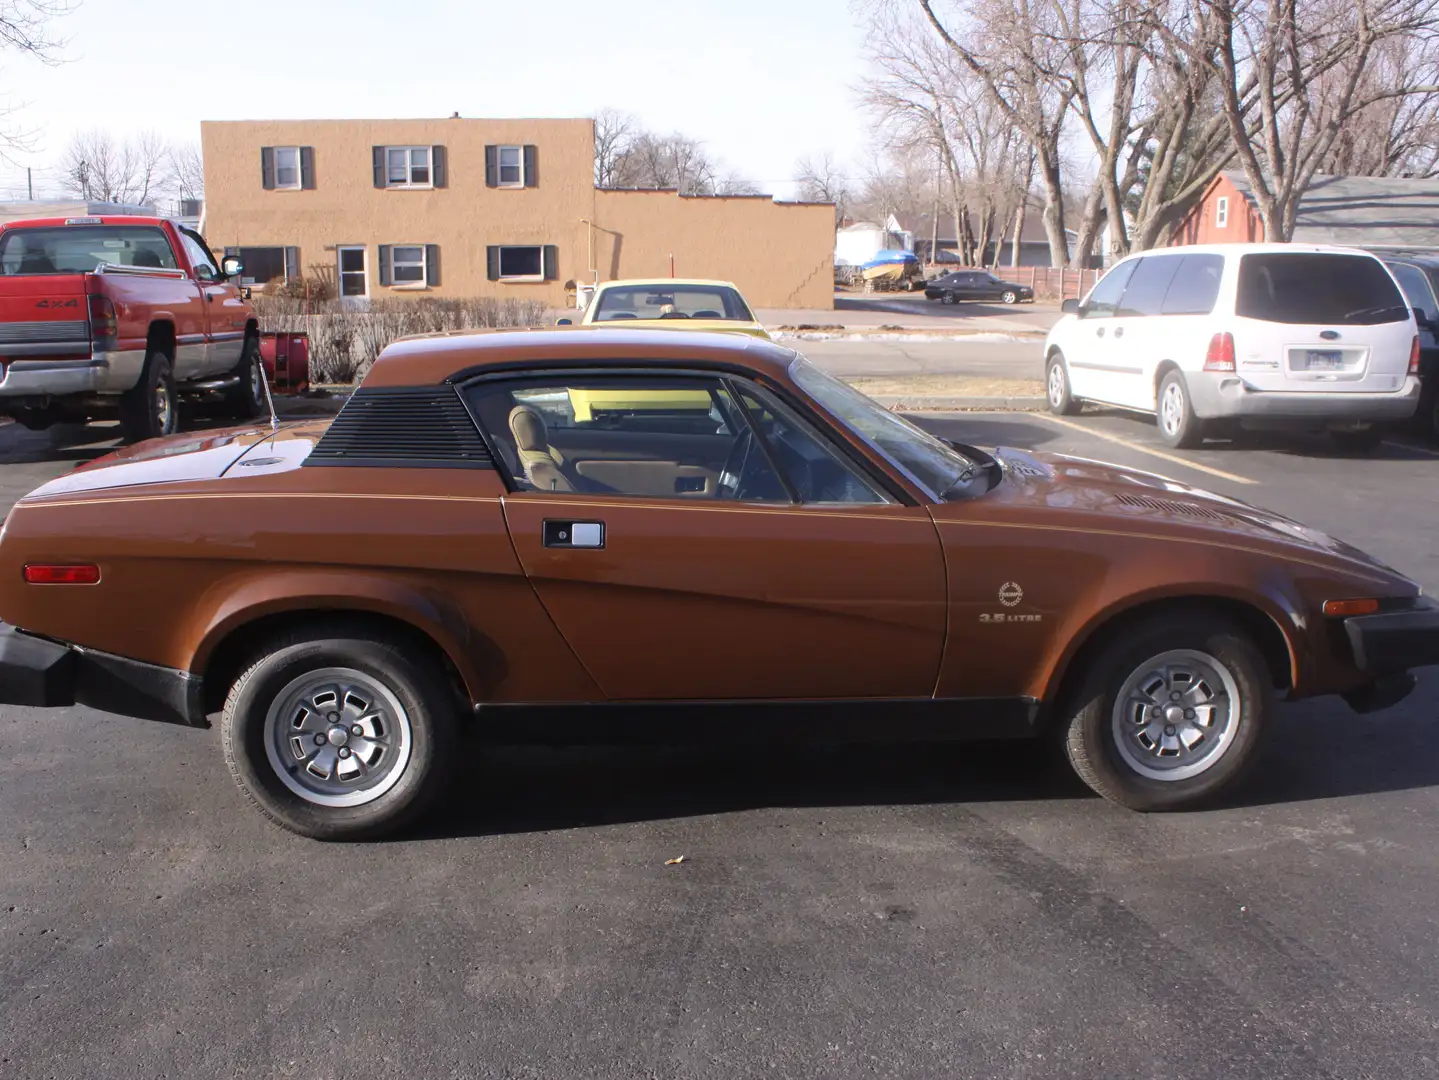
1091, 352
1140, 338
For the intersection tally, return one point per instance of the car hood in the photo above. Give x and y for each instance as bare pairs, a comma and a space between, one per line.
179, 459
1146, 502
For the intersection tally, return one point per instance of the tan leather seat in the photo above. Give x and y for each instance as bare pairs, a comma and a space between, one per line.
541, 461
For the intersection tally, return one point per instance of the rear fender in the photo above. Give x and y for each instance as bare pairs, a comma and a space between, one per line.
224, 611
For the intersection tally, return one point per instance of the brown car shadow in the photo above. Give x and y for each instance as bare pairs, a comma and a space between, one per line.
1315, 750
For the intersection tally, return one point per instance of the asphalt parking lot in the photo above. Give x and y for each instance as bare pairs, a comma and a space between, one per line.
914, 912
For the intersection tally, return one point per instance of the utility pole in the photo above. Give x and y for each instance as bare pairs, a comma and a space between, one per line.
30, 183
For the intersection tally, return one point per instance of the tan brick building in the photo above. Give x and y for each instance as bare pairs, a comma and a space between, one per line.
464, 207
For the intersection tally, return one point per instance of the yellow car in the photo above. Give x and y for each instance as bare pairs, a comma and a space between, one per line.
672, 304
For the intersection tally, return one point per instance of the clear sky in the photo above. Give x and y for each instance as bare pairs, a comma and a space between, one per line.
761, 82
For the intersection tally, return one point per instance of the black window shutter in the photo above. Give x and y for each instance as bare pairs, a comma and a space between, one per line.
552, 262
377, 155
385, 278
492, 168
231, 253
307, 168
292, 264
432, 264
267, 167
492, 262
439, 173
532, 166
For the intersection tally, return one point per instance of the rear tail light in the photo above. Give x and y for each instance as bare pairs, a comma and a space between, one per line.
1220, 356
62, 573
104, 327
1414, 356
1350, 607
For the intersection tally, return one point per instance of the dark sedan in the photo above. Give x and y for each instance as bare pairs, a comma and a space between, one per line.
976, 285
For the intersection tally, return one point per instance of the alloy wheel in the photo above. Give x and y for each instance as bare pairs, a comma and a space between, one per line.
1176, 715
1171, 409
1056, 384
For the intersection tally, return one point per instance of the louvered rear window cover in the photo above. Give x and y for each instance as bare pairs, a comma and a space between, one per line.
403, 427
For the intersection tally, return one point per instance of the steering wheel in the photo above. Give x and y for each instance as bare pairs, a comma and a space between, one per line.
736, 464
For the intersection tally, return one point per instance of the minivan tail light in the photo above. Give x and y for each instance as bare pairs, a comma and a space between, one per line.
1220, 356
1414, 356
104, 327
62, 573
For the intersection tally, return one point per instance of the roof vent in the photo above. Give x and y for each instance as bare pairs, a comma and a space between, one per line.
1167, 506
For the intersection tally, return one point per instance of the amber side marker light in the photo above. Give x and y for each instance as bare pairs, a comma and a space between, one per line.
62, 574
1351, 607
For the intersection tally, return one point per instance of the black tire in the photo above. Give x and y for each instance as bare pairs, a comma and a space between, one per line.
1362, 441
1089, 725
1062, 401
946, 298
1178, 426
149, 409
1427, 417
1009, 296
415, 680
246, 399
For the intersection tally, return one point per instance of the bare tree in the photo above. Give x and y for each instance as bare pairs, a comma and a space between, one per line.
1394, 135
1301, 68
97, 167
820, 179
187, 171
614, 137
732, 183
26, 28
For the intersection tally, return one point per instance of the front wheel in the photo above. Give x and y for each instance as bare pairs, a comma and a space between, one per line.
149, 410
1009, 296
1171, 714
1062, 401
246, 399
1178, 426
340, 736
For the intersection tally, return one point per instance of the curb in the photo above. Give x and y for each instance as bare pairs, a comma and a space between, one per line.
960, 403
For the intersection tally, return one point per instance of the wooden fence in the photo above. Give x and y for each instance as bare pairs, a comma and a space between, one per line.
1049, 283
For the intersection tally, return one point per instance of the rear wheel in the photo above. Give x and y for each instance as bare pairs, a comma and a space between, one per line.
1178, 426
340, 736
1062, 401
246, 399
946, 298
1171, 714
149, 409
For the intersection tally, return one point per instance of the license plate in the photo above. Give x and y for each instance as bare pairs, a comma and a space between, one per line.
1323, 360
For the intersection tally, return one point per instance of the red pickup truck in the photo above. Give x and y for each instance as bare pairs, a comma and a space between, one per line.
104, 317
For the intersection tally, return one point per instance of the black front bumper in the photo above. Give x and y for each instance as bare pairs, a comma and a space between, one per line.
1395, 641
47, 674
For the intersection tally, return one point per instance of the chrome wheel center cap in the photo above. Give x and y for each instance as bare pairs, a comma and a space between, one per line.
1174, 713
337, 736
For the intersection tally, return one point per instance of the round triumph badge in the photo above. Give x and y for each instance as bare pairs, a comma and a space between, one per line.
1010, 594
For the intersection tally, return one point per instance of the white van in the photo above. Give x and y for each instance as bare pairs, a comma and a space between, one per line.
1287, 334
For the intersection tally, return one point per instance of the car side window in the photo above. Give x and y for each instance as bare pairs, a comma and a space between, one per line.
1195, 287
1103, 299
660, 436
1145, 290
1415, 285
200, 258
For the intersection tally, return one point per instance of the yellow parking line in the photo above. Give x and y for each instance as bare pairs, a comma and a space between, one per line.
1231, 477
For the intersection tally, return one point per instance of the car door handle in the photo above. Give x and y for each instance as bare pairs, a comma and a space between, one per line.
1100, 332
1119, 331
574, 534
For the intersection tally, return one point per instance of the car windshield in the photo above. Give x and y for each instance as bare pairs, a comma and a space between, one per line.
663, 300
930, 462
79, 249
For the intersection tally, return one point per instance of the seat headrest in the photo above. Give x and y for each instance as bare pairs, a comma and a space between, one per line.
528, 428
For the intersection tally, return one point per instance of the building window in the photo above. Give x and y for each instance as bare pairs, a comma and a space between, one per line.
512, 166
1221, 212
521, 263
287, 168
262, 265
407, 264
407, 167
353, 280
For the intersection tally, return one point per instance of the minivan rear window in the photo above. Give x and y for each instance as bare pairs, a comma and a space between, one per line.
1317, 288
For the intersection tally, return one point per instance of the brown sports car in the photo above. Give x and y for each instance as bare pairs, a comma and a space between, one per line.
595, 536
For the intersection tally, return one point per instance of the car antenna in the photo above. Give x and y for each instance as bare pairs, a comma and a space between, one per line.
269, 399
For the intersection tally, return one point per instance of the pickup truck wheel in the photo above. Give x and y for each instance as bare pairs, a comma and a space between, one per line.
1171, 714
149, 409
246, 399
340, 736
